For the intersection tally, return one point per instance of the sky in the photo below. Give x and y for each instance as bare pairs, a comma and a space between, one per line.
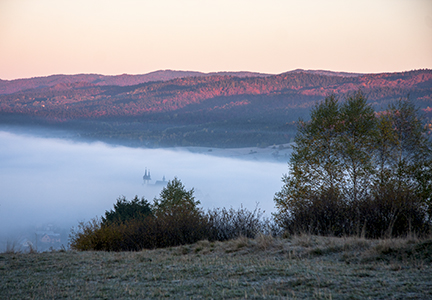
111, 37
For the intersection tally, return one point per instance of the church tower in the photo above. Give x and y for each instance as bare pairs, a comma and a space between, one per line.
147, 176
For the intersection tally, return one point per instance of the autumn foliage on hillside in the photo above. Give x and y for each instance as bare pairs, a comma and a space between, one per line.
249, 98
72, 100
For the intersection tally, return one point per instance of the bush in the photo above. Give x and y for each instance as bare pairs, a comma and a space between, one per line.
174, 219
393, 213
127, 210
178, 219
93, 236
324, 214
229, 224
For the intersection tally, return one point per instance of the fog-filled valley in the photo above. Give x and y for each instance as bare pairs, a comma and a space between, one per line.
49, 184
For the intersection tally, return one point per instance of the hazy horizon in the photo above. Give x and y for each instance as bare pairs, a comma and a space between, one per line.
210, 72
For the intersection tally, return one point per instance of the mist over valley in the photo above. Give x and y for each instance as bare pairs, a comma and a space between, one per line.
48, 184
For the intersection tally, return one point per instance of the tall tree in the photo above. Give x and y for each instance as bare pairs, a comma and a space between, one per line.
316, 148
314, 165
402, 147
384, 149
407, 174
173, 196
356, 139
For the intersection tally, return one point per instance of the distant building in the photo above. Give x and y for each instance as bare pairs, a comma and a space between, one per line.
51, 238
147, 179
147, 176
161, 182
48, 237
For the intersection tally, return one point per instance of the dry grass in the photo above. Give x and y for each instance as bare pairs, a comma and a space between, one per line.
297, 267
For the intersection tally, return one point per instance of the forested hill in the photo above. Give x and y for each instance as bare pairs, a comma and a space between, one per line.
191, 108
13, 86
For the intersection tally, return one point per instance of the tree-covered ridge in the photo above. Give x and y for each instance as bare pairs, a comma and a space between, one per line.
74, 100
196, 105
16, 85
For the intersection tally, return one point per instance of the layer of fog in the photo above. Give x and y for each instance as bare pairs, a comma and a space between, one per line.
61, 182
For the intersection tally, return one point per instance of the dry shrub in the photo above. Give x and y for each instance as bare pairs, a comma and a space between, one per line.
392, 213
229, 224
178, 227
11, 248
384, 215
324, 214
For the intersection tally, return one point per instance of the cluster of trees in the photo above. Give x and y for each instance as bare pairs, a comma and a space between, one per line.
355, 171
173, 219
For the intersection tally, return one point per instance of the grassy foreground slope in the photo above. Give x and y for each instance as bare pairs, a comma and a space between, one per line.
262, 268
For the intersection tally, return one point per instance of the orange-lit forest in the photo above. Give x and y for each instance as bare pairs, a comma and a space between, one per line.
167, 108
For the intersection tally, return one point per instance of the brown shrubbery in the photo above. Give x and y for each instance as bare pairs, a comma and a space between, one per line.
136, 234
370, 217
226, 224
175, 219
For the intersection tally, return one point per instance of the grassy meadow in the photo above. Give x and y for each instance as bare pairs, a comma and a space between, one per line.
297, 267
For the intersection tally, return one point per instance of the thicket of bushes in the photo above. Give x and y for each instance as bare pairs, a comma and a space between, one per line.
357, 172
173, 219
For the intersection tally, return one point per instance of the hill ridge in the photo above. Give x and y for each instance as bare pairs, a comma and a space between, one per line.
262, 109
16, 85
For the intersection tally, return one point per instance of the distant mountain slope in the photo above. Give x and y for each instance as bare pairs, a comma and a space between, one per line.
13, 86
89, 96
200, 107
327, 73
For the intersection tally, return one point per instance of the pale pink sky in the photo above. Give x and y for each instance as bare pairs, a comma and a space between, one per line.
45, 37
